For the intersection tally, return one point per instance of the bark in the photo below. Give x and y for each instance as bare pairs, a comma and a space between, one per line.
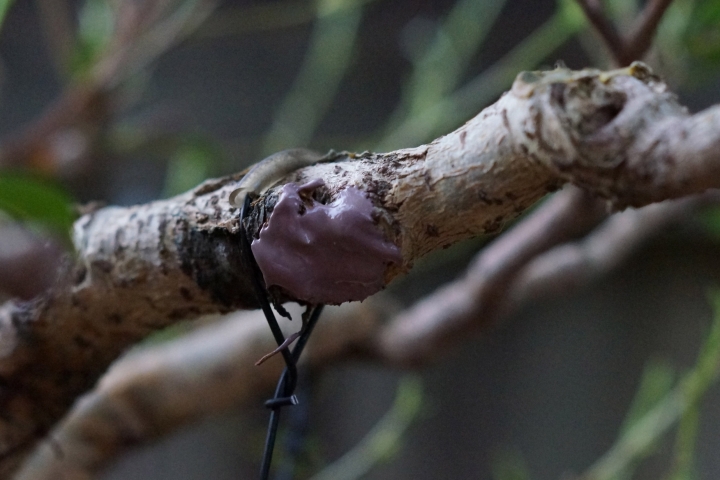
620, 135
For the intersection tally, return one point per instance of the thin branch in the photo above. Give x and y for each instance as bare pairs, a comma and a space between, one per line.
595, 12
631, 47
142, 35
470, 303
641, 36
56, 22
574, 264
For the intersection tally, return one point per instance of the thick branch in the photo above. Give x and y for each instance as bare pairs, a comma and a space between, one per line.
618, 134
138, 400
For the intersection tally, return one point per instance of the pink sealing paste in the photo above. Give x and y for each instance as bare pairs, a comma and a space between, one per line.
324, 253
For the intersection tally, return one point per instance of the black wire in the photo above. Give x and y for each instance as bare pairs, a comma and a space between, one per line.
284, 392
296, 423
258, 285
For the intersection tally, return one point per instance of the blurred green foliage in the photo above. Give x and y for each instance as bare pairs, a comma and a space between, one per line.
96, 22
4, 7
36, 201
679, 405
193, 161
702, 39
710, 218
656, 381
385, 438
509, 465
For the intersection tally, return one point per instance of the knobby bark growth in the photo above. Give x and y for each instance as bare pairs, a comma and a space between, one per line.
620, 135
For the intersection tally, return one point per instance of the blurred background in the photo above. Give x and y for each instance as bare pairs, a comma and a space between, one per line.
127, 101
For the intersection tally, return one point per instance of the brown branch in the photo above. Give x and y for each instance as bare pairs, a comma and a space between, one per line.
575, 264
640, 37
137, 401
595, 12
28, 262
440, 319
618, 134
631, 47
155, 390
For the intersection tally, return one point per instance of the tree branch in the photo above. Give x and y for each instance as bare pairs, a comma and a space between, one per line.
138, 400
470, 303
595, 12
626, 49
618, 134
28, 262
641, 36
152, 391
572, 265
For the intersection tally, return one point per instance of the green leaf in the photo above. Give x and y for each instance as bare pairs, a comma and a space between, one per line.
30, 199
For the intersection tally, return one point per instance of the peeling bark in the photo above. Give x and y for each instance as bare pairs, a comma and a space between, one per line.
617, 134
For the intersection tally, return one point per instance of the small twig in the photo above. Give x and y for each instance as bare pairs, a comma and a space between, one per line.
574, 264
470, 302
595, 12
640, 38
56, 25
631, 47
85, 103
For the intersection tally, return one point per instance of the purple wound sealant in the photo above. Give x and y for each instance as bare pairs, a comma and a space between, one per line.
324, 253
